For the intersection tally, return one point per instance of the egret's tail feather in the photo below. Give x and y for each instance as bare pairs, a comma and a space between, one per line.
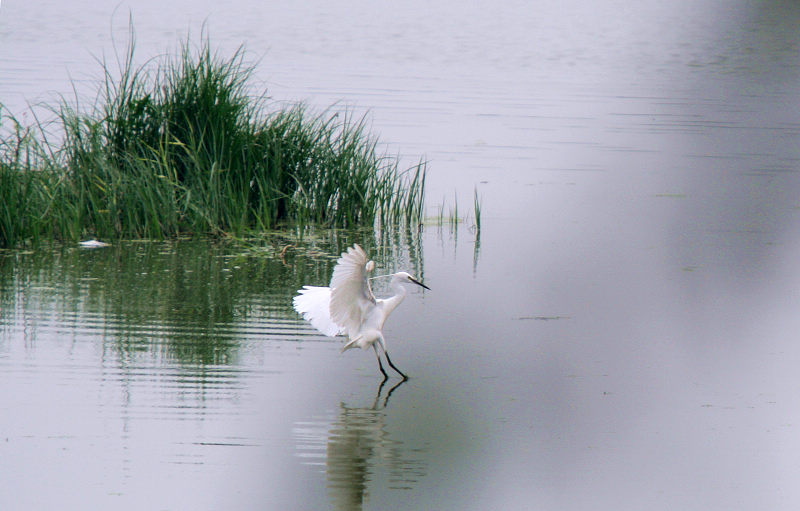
364, 340
351, 344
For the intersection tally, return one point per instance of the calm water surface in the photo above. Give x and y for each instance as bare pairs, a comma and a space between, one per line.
623, 334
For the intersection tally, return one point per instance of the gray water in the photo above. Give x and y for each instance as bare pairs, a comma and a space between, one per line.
623, 334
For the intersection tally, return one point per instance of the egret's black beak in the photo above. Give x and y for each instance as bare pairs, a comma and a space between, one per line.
419, 283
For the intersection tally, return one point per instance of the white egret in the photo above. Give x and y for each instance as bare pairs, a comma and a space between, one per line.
348, 306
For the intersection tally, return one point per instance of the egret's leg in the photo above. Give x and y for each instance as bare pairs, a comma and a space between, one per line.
393, 366
380, 366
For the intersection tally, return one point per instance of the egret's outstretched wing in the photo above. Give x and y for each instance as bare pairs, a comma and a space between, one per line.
314, 304
351, 296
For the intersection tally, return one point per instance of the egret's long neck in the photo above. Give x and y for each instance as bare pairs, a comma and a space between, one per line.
400, 293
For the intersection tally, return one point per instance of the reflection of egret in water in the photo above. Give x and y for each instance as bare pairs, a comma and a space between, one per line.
357, 448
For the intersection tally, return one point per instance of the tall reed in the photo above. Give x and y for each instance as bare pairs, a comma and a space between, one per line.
476, 200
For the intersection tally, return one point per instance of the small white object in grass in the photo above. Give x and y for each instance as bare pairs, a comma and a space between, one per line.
93, 244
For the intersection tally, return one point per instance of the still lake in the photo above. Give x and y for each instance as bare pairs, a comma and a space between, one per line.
624, 332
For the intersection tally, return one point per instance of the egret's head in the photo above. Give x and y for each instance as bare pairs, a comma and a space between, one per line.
402, 276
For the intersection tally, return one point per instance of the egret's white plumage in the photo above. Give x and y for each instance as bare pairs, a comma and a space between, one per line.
313, 302
348, 306
351, 296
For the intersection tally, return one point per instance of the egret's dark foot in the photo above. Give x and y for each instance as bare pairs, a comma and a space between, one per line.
395, 368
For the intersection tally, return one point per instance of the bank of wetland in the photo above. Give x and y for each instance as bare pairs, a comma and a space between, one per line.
181, 145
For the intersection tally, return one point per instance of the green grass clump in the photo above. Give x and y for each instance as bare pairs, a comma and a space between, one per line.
181, 146
23, 193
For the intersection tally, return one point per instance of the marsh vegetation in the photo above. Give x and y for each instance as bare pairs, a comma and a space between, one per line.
182, 145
